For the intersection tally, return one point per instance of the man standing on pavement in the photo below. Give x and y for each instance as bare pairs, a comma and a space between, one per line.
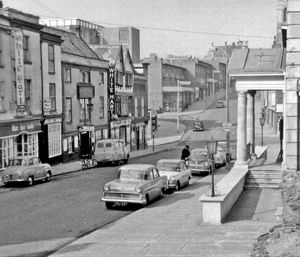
185, 152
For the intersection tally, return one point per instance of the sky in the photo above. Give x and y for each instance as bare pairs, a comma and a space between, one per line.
176, 27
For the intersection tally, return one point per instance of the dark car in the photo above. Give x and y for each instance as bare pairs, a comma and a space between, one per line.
198, 125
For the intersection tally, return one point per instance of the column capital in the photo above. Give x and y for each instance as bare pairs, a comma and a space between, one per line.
252, 92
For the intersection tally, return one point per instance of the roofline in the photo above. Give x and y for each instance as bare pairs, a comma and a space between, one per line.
256, 74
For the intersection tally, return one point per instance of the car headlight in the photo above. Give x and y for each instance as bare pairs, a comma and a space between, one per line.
106, 188
20, 177
137, 189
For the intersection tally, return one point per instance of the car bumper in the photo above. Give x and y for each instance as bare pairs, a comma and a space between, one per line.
199, 170
138, 199
14, 180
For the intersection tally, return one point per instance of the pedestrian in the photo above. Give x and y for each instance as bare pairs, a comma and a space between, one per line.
185, 152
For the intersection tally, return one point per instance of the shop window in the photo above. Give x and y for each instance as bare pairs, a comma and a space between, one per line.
101, 78
6, 151
54, 139
27, 144
51, 59
85, 76
26, 52
52, 96
68, 75
142, 107
69, 110
70, 144
101, 107
136, 108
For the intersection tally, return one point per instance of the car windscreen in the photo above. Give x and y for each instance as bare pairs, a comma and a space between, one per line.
131, 174
168, 166
198, 155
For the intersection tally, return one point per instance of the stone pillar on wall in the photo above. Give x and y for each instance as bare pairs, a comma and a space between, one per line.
291, 99
241, 150
251, 121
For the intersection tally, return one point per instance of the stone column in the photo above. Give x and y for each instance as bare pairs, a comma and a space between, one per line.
241, 148
251, 121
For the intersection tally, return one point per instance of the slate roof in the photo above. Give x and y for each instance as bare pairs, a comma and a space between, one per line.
72, 44
110, 53
262, 60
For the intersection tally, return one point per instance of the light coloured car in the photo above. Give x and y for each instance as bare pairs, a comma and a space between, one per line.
199, 162
135, 183
178, 173
220, 104
26, 169
220, 156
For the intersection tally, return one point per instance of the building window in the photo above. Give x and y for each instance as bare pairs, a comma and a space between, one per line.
68, 75
123, 35
85, 115
54, 139
136, 113
52, 96
122, 106
28, 94
101, 107
85, 76
1, 57
27, 144
51, 59
26, 49
2, 106
101, 78
142, 107
68, 110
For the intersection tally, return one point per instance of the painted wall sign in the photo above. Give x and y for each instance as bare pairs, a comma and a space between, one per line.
111, 92
19, 65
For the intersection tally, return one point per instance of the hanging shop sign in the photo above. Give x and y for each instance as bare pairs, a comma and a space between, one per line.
111, 92
19, 66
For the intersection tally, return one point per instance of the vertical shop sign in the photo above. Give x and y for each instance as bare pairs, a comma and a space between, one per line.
111, 92
19, 66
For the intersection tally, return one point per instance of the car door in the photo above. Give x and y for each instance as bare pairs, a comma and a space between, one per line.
185, 172
31, 170
158, 182
40, 171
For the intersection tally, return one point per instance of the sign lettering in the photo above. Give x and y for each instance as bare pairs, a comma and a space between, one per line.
111, 91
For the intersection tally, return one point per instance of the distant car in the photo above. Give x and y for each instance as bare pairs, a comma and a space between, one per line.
26, 169
198, 125
177, 172
135, 183
220, 156
220, 104
199, 162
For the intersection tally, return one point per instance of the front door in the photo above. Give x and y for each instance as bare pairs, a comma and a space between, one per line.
85, 143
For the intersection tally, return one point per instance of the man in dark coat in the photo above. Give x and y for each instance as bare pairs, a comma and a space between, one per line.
185, 152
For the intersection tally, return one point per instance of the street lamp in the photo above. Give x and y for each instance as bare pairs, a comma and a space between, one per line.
262, 123
212, 149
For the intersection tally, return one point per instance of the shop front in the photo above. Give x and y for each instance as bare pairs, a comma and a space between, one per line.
120, 129
138, 136
19, 138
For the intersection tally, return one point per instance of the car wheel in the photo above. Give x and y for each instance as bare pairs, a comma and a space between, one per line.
177, 188
30, 181
109, 205
48, 176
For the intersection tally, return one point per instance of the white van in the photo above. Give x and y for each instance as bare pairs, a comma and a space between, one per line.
111, 150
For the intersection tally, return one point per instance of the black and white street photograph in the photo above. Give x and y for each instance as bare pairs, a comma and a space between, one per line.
150, 128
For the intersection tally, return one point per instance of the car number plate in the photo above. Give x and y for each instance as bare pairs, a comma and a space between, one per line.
120, 204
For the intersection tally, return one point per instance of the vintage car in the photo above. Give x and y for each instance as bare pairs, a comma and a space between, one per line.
26, 169
178, 173
135, 183
199, 162
220, 156
198, 125
220, 104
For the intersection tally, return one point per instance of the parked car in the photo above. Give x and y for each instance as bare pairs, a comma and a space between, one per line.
198, 125
199, 162
111, 151
177, 172
135, 183
220, 104
220, 156
26, 169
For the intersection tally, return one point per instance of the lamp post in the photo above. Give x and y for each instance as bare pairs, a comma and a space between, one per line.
262, 123
212, 149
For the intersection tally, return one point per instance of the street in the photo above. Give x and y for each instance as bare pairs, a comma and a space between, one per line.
49, 215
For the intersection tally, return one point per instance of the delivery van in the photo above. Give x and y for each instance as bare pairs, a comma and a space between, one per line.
111, 151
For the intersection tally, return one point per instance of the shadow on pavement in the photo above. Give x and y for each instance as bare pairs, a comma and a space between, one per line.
245, 206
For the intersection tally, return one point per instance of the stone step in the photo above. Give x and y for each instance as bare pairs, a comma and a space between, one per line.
267, 176
261, 185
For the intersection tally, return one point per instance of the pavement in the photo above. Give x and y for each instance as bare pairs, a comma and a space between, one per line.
173, 226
